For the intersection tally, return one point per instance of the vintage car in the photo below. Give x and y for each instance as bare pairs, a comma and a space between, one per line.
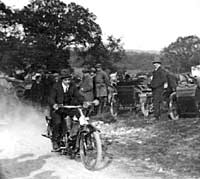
20, 87
185, 101
131, 95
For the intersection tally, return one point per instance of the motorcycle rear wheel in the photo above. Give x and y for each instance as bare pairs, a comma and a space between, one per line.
91, 150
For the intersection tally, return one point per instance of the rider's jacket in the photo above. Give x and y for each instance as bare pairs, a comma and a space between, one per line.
70, 97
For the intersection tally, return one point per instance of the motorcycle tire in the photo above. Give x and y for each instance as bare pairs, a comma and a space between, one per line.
91, 150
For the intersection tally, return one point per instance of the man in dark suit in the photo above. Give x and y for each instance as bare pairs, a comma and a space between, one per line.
63, 92
159, 79
172, 82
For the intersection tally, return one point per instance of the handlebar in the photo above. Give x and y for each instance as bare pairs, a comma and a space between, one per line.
95, 102
70, 106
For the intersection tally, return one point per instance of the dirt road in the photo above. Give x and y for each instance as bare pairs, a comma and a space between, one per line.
25, 154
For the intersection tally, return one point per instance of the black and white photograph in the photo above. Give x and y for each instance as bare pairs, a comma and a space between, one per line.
99, 89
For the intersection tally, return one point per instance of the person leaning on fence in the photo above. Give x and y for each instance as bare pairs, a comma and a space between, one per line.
101, 82
159, 79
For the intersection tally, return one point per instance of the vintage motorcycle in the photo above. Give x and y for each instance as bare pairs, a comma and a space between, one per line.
85, 142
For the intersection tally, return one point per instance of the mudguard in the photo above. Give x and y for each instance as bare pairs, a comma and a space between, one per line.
89, 128
85, 130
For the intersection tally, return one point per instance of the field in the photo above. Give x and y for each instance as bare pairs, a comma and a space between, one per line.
167, 149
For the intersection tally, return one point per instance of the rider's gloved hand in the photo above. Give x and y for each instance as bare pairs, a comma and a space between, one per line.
165, 85
55, 106
86, 104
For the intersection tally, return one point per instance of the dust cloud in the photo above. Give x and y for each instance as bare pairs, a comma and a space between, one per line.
20, 125
14, 111
25, 153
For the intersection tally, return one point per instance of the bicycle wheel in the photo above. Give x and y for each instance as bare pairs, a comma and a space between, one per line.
91, 150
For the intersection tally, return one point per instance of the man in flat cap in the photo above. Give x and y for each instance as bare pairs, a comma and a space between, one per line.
159, 79
63, 92
101, 85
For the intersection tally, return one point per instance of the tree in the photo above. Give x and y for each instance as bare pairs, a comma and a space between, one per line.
10, 41
115, 49
182, 54
51, 27
46, 29
108, 53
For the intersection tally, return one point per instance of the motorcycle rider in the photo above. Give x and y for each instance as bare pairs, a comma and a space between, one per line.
63, 92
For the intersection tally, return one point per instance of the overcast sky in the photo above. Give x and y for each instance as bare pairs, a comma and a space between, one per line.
142, 24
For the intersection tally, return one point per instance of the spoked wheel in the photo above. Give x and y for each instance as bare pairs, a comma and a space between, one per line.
145, 109
173, 112
91, 150
20, 91
146, 104
114, 107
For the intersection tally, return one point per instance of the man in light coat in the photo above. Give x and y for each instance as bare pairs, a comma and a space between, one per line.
101, 82
86, 86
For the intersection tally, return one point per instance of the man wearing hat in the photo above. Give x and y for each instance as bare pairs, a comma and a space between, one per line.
66, 93
159, 79
87, 88
86, 85
37, 90
101, 84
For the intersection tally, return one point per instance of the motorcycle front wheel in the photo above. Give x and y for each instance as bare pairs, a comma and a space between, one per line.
91, 150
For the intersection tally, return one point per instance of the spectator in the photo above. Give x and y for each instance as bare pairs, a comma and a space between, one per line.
86, 89
101, 82
158, 81
93, 74
172, 82
86, 86
37, 90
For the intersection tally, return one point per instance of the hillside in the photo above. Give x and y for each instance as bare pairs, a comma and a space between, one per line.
134, 61
138, 60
